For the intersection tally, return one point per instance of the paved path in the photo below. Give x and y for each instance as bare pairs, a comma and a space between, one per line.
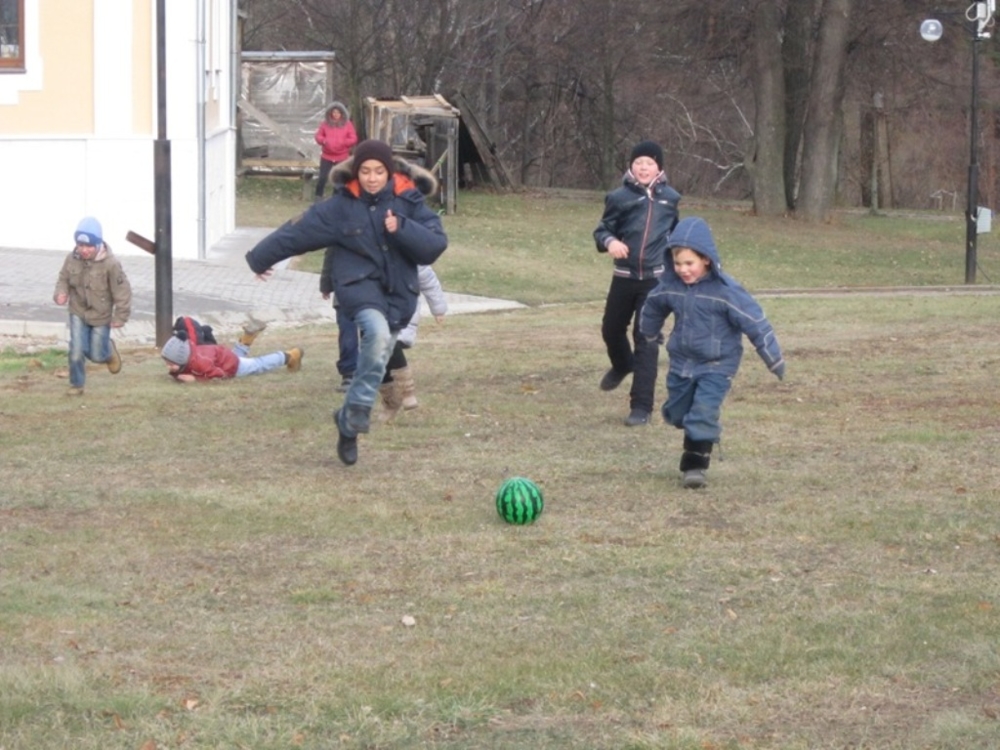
220, 291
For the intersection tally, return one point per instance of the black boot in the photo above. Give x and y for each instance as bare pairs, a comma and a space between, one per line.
347, 446
694, 462
357, 418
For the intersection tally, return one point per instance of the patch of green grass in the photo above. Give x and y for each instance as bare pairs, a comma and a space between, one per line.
15, 362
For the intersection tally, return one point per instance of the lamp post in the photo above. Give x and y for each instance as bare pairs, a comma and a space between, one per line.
980, 16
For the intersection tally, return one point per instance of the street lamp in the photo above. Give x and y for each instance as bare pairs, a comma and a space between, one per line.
980, 16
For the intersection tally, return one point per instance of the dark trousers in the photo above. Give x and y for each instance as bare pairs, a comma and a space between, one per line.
324, 175
623, 307
397, 361
347, 340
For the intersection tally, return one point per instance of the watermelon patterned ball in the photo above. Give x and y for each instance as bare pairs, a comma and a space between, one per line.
519, 501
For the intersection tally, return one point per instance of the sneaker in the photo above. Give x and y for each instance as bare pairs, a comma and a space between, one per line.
293, 359
253, 326
74, 391
612, 379
637, 417
115, 360
345, 383
694, 479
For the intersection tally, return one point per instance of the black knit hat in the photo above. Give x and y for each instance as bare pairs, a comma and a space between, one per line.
647, 148
372, 149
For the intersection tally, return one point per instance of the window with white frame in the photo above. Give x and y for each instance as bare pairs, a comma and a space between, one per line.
11, 35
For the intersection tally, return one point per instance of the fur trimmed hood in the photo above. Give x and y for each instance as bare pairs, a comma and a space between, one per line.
422, 179
343, 111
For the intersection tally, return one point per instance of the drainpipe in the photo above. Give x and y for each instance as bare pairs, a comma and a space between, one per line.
201, 94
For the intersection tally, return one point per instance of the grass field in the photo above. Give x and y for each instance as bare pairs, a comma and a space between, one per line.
191, 566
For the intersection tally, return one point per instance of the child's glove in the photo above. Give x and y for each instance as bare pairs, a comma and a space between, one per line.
779, 369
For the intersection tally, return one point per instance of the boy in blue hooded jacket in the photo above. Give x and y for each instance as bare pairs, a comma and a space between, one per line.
711, 311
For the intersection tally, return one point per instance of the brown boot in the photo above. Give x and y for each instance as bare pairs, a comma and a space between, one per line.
390, 400
250, 330
403, 377
293, 359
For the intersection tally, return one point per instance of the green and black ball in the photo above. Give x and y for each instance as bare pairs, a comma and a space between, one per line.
519, 501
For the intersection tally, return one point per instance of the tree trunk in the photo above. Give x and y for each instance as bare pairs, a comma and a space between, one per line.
820, 148
764, 163
795, 53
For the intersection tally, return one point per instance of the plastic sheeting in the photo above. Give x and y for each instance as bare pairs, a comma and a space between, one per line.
294, 96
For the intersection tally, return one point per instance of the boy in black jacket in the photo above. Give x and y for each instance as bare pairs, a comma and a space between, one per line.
638, 217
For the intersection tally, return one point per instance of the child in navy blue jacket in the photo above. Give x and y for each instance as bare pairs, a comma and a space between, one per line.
711, 314
379, 231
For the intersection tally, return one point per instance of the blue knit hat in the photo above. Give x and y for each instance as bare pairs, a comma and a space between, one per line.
88, 232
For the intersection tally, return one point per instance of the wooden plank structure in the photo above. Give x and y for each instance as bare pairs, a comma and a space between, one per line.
423, 129
480, 155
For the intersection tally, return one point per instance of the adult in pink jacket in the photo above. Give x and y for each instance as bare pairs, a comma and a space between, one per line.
336, 136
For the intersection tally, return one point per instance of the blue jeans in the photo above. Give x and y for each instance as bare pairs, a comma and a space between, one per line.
377, 342
86, 342
695, 404
256, 365
347, 340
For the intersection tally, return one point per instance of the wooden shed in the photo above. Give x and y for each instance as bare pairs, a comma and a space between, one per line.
422, 129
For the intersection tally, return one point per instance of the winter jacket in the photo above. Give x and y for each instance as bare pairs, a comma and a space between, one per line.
368, 267
710, 315
99, 291
430, 288
211, 362
336, 139
641, 217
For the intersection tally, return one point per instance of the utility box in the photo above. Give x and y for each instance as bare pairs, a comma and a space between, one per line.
984, 220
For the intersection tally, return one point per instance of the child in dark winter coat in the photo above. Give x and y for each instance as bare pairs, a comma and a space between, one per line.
712, 312
637, 218
379, 231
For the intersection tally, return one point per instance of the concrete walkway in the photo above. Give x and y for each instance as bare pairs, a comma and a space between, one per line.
220, 291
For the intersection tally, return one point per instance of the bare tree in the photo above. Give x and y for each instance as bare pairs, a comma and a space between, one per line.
824, 118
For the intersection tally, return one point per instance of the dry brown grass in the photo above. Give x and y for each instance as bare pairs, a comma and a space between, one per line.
191, 566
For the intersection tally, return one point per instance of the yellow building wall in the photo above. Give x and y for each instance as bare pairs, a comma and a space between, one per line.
65, 105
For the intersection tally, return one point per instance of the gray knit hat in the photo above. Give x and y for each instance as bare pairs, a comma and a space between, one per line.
176, 351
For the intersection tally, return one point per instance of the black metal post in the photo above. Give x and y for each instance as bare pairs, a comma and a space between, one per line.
162, 189
972, 211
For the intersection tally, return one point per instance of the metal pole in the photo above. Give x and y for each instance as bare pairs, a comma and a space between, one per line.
972, 211
161, 189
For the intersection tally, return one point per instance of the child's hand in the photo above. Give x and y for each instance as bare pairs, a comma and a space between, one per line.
391, 222
264, 275
61, 299
185, 377
326, 296
439, 318
617, 249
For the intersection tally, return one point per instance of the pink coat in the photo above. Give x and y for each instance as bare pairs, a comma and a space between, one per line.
336, 140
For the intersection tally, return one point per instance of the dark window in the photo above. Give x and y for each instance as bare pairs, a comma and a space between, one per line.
11, 35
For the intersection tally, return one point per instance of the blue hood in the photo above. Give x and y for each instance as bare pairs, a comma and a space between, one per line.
693, 232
